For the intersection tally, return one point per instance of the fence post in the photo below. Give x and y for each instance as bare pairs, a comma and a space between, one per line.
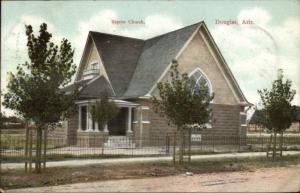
190, 144
131, 144
262, 143
167, 144
239, 138
174, 149
102, 146
213, 141
26, 147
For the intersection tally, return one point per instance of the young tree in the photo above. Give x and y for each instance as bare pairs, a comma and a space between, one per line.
277, 111
103, 111
34, 91
183, 102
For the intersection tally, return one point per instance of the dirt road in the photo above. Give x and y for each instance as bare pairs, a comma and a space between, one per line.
283, 179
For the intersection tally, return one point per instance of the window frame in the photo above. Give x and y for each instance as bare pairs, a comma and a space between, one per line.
204, 76
208, 125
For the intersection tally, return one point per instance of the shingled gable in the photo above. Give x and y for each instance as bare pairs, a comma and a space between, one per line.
158, 53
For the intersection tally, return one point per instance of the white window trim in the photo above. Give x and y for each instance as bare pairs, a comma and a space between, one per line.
210, 87
243, 114
205, 77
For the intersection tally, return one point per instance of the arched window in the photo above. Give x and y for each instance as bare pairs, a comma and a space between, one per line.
199, 78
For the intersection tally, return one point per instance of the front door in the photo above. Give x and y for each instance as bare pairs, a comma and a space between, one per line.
117, 126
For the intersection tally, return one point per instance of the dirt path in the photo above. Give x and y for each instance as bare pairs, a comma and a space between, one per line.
283, 179
85, 162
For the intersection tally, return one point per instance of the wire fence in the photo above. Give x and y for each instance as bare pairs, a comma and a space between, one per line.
13, 148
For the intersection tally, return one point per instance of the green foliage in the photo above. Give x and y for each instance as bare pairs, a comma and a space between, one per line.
277, 112
180, 102
34, 90
103, 111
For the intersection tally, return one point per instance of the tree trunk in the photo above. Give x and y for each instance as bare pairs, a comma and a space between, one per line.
45, 149
270, 144
174, 148
274, 145
26, 146
30, 151
38, 150
190, 144
181, 146
281, 143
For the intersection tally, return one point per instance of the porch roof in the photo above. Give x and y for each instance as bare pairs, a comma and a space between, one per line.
120, 103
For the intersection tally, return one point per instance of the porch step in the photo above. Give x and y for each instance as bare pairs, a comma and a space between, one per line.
119, 142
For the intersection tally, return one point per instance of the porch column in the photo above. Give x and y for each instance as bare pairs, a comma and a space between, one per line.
140, 120
79, 118
105, 130
96, 126
89, 119
129, 121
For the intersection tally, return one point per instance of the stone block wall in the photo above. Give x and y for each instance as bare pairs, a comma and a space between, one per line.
226, 125
72, 129
91, 139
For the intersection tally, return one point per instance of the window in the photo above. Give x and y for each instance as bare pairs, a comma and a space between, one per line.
94, 66
243, 119
83, 118
91, 70
200, 79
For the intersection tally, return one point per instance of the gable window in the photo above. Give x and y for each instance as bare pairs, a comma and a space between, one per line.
94, 66
91, 70
200, 79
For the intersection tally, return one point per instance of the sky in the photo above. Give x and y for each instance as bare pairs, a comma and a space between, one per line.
253, 52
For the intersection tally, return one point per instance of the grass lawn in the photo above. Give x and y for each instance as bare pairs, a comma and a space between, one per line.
66, 175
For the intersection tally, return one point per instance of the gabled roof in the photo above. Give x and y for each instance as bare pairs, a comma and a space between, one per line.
156, 56
134, 66
96, 88
72, 87
119, 56
255, 118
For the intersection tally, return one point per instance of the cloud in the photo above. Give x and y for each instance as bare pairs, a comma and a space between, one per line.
258, 15
14, 42
154, 25
15, 39
255, 52
102, 22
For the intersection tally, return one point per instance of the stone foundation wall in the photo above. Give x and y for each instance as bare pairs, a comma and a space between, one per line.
91, 139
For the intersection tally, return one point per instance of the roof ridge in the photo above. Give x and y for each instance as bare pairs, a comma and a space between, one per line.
120, 36
157, 39
98, 33
198, 23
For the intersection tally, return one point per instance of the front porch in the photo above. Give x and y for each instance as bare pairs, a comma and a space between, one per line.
121, 125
